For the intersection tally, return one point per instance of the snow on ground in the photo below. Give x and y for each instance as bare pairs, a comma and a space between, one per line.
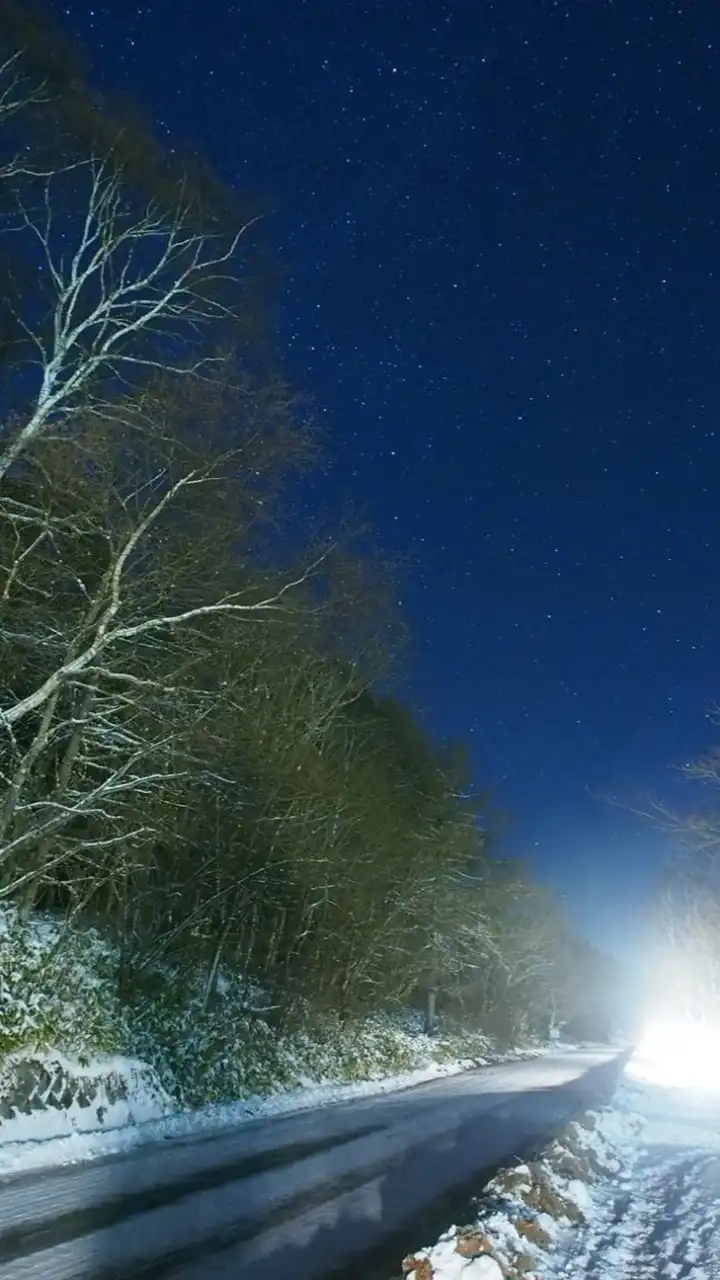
660, 1218
631, 1192
58, 1137
108, 1092
147, 1114
84, 1074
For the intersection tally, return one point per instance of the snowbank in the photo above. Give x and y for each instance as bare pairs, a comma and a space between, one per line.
51, 1095
525, 1211
134, 1109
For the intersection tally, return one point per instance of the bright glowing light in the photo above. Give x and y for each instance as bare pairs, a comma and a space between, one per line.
678, 1056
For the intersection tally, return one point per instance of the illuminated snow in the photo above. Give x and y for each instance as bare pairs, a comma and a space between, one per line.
679, 1055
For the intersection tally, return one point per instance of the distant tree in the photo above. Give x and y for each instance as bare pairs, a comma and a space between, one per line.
686, 925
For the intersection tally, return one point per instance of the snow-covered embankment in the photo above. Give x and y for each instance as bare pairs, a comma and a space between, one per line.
527, 1212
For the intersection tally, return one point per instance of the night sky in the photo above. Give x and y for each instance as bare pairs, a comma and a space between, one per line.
501, 227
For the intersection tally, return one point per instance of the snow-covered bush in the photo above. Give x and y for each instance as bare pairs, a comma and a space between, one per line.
58, 992
56, 989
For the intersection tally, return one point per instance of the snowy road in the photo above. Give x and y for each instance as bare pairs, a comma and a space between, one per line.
293, 1197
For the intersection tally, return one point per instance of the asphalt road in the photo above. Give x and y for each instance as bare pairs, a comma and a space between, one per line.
293, 1198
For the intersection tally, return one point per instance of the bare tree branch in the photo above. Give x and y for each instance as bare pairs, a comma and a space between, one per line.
125, 278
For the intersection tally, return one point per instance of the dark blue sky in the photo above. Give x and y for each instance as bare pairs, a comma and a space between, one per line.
501, 222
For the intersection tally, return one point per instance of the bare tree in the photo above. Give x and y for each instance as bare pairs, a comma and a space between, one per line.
15, 96
686, 957
112, 609
687, 919
18, 91
109, 609
115, 281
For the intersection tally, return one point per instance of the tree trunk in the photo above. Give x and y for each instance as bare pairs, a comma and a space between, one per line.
211, 981
431, 1011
